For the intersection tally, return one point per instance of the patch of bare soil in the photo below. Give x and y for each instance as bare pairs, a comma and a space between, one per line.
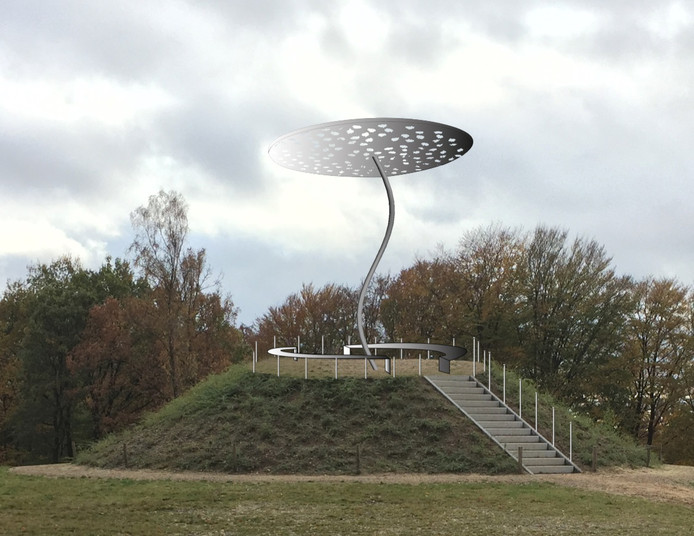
668, 483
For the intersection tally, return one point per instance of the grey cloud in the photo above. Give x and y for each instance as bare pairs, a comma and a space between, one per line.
84, 160
223, 136
111, 38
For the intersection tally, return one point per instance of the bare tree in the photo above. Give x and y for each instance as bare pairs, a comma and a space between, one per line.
177, 274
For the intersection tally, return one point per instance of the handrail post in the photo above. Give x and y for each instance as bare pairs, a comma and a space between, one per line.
489, 373
504, 383
274, 345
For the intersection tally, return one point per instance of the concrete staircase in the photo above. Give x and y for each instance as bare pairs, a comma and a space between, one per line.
501, 424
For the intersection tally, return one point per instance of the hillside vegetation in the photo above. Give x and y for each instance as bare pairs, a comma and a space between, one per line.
243, 422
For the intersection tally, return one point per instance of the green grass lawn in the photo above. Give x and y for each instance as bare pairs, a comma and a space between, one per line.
37, 505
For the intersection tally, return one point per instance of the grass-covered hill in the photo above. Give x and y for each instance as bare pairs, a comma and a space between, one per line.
244, 422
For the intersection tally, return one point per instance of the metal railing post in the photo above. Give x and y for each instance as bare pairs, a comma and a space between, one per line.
489, 373
274, 345
504, 383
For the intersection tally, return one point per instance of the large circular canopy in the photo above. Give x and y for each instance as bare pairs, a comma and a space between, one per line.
347, 147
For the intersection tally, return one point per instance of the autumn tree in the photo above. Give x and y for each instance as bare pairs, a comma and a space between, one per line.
418, 302
159, 249
658, 352
180, 282
677, 431
324, 317
487, 266
573, 308
115, 365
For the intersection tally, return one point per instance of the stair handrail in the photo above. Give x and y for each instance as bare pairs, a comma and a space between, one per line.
535, 430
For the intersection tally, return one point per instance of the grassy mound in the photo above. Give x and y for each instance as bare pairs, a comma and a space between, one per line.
243, 422
240, 422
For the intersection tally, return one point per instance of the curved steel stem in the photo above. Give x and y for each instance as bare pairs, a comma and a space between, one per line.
384, 244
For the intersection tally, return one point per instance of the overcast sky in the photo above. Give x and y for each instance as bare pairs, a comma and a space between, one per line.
581, 114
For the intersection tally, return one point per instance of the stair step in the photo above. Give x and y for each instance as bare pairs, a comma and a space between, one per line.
505, 417
486, 410
517, 439
473, 399
513, 447
502, 431
538, 454
487, 424
471, 396
448, 382
475, 403
542, 461
464, 390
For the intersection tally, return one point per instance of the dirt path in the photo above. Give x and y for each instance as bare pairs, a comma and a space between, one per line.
669, 483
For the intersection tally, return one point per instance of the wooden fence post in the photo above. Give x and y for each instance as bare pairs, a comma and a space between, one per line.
595, 458
358, 471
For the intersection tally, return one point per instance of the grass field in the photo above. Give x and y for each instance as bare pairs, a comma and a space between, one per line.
39, 505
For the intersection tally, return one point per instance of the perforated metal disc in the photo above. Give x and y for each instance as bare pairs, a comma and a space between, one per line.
347, 147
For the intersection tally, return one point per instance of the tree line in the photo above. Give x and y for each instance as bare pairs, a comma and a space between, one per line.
551, 307
86, 352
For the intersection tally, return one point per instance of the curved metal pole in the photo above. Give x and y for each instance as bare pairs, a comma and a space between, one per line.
386, 238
